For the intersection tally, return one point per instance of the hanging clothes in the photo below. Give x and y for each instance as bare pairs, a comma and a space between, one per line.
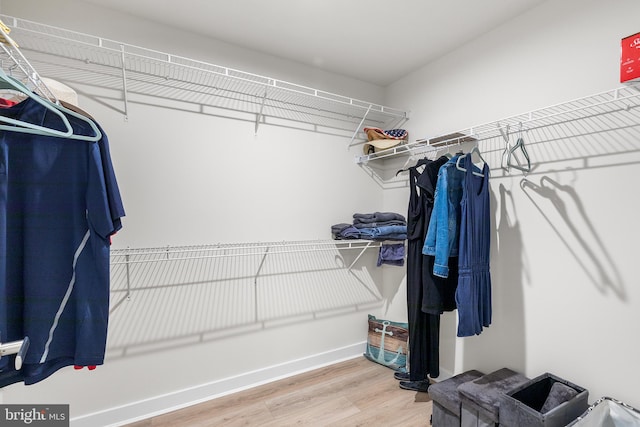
473, 296
424, 328
438, 293
443, 233
59, 204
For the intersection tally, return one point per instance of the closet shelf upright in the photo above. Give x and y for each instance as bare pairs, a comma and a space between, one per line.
77, 58
600, 112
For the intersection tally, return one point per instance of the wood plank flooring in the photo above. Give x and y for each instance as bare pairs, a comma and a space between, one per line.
356, 392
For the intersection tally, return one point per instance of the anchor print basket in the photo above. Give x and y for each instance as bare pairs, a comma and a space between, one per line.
387, 343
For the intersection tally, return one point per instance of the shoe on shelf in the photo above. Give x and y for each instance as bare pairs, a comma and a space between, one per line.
402, 376
420, 386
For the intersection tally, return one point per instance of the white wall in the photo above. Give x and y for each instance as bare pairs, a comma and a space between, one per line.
565, 294
189, 178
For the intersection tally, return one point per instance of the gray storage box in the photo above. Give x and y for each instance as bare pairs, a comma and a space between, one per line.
522, 406
446, 400
481, 398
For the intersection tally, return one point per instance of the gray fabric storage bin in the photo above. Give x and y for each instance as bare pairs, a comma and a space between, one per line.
446, 400
480, 398
474, 416
522, 405
442, 417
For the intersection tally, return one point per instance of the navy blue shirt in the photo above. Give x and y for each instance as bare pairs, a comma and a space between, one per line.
59, 205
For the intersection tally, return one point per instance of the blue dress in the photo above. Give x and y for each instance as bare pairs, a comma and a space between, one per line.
473, 295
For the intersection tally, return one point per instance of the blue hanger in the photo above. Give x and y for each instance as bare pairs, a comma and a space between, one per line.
8, 82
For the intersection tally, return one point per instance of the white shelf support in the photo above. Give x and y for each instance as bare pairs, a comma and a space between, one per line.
264, 257
124, 84
259, 115
355, 133
362, 251
255, 285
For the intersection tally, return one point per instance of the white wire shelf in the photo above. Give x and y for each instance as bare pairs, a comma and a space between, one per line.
602, 112
167, 296
74, 57
223, 250
133, 269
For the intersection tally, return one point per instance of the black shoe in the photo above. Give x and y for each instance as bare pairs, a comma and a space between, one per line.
421, 386
402, 376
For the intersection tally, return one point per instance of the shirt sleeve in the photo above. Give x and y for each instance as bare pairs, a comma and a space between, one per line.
98, 207
116, 208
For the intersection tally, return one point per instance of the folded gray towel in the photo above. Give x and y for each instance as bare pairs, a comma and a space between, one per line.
377, 217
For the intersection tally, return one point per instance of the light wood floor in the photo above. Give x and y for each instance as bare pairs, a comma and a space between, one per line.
357, 392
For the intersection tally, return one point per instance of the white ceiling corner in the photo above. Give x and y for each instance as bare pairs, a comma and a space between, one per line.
377, 41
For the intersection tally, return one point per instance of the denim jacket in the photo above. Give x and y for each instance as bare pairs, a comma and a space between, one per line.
444, 225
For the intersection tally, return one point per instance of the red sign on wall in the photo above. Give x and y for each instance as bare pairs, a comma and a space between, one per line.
630, 59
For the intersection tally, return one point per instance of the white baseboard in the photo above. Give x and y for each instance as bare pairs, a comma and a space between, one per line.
162, 404
445, 374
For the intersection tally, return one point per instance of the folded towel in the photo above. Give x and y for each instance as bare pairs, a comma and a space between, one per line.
377, 217
378, 224
337, 228
344, 231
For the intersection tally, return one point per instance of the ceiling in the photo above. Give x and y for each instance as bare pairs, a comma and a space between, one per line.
377, 41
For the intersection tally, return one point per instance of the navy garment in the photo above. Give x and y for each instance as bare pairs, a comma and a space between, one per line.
473, 295
392, 254
59, 205
424, 328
